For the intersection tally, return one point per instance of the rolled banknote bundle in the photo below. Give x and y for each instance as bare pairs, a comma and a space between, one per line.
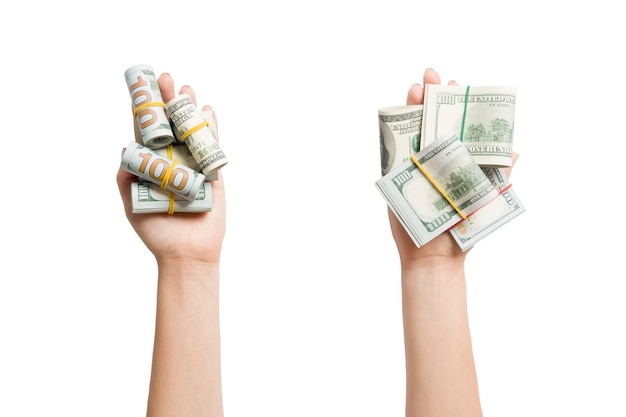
184, 156
400, 128
191, 128
147, 197
438, 187
168, 173
482, 117
148, 107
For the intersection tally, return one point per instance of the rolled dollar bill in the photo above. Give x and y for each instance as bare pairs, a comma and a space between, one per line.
184, 156
400, 128
148, 107
482, 117
168, 173
147, 197
191, 128
208, 117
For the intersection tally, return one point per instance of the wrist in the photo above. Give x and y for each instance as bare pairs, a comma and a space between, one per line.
188, 270
433, 273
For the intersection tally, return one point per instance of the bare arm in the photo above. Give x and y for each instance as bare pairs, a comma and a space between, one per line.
186, 370
440, 371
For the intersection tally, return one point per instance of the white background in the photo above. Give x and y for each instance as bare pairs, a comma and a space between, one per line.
311, 319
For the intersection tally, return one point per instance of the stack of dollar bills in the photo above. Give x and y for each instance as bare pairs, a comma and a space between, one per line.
443, 163
175, 154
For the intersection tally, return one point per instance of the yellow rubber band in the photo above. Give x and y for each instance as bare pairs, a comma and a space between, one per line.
433, 182
145, 105
166, 177
170, 207
193, 130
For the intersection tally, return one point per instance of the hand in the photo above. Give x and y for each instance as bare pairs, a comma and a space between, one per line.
195, 237
443, 247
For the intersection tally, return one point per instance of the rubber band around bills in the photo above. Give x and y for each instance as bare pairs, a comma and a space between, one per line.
170, 207
146, 105
433, 182
502, 191
193, 130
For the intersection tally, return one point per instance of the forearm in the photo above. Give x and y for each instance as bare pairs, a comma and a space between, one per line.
441, 376
186, 364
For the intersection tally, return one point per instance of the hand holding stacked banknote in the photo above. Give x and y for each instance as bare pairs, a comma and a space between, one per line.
175, 154
445, 160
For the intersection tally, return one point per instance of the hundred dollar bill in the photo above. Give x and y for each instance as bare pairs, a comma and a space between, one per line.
148, 107
428, 200
483, 117
493, 215
400, 128
147, 197
183, 155
149, 165
191, 128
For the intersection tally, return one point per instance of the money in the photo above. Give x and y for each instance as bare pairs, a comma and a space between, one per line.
147, 197
483, 117
493, 215
184, 156
191, 128
400, 129
149, 165
429, 200
148, 107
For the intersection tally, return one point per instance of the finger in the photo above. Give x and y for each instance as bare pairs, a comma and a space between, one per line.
431, 77
185, 89
213, 118
452, 82
166, 85
124, 179
415, 94
514, 158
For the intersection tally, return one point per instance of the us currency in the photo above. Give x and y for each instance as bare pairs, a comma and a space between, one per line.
400, 128
179, 150
182, 112
152, 122
183, 155
483, 117
147, 197
149, 165
422, 209
493, 215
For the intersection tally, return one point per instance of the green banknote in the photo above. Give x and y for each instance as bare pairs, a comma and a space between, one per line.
493, 215
147, 197
483, 117
400, 128
433, 191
